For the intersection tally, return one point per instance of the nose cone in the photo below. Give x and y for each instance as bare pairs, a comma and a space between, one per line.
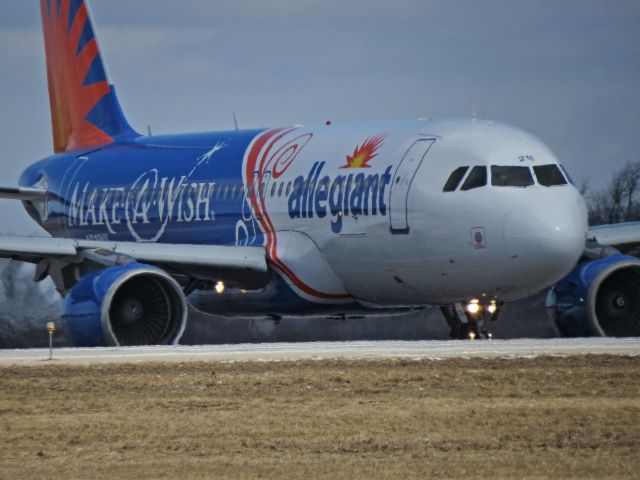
547, 236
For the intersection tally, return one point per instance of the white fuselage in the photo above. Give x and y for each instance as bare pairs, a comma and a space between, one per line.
368, 219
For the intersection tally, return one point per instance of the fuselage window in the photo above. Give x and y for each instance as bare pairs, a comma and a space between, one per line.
476, 178
280, 189
233, 191
505, 176
288, 189
273, 189
454, 179
549, 175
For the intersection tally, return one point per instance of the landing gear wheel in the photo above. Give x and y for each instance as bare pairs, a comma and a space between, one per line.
479, 327
457, 320
462, 325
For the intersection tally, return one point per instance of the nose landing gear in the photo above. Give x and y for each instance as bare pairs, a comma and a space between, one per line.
470, 322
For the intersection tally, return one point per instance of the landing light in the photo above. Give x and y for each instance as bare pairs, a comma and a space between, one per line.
473, 307
492, 308
220, 287
472, 335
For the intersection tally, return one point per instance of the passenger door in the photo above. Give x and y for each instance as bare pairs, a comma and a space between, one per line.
401, 183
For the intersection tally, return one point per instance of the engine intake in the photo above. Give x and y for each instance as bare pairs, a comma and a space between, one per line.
133, 304
600, 297
613, 300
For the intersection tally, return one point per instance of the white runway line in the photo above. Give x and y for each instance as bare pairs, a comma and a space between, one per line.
329, 350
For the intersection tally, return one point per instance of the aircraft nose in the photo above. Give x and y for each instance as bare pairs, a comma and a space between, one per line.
548, 237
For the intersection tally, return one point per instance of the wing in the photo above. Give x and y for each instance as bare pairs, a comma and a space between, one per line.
245, 267
22, 193
625, 237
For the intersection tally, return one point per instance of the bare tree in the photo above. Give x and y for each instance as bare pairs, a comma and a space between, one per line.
598, 204
584, 187
631, 179
620, 201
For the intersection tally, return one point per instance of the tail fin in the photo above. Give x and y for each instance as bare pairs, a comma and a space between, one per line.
84, 109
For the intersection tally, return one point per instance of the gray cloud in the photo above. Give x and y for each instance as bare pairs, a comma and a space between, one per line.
566, 70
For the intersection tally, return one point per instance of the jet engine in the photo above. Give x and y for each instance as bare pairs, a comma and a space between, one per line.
599, 298
132, 304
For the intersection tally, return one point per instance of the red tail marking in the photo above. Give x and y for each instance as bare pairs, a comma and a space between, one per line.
66, 72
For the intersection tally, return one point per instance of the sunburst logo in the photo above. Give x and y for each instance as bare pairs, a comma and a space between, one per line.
364, 153
77, 81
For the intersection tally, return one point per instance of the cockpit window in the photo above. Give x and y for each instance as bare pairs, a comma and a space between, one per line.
454, 179
476, 178
566, 174
549, 175
504, 176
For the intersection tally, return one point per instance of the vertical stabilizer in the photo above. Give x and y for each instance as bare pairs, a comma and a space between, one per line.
84, 109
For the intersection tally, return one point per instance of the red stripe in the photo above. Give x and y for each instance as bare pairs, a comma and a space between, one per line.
263, 217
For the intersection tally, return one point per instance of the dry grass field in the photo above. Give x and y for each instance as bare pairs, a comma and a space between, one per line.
536, 418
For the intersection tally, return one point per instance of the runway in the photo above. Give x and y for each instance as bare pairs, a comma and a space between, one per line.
361, 350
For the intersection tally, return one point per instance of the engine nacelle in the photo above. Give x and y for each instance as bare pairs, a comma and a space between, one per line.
132, 304
599, 297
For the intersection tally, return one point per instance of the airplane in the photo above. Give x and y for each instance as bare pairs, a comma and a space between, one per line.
463, 214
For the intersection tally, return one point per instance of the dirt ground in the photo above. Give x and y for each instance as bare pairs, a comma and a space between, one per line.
529, 418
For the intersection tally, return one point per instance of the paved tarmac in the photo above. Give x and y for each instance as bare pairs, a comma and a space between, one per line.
330, 350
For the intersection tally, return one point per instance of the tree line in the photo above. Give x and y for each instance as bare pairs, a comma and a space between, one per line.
620, 200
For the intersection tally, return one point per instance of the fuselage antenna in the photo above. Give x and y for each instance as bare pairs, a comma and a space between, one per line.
235, 121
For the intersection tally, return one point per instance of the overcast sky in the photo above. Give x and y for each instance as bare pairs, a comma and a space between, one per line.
568, 71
